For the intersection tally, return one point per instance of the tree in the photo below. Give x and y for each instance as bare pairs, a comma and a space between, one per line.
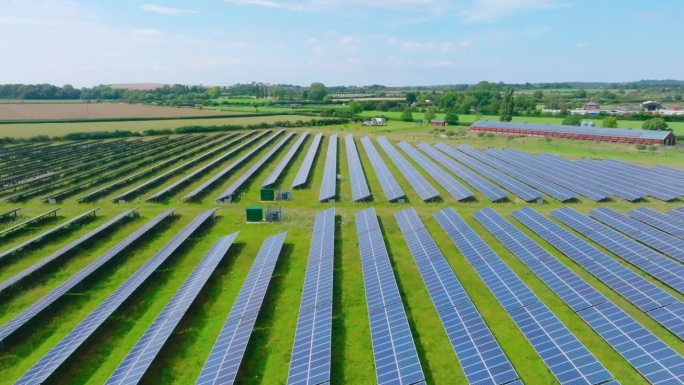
355, 107
429, 114
610, 122
214, 92
278, 92
538, 95
451, 118
317, 92
406, 115
572, 120
506, 109
411, 98
658, 124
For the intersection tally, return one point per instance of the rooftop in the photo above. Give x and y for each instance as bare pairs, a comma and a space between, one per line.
623, 132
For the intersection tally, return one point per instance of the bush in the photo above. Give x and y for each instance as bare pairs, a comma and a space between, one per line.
641, 147
657, 124
572, 120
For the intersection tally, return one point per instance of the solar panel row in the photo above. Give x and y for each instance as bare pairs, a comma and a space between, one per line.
657, 184
304, 170
166, 191
481, 358
659, 221
65, 250
656, 361
390, 186
359, 186
329, 183
138, 360
646, 259
24, 224
649, 298
221, 367
25, 316
229, 193
421, 186
492, 192
201, 189
523, 191
657, 239
449, 183
311, 351
47, 233
627, 181
676, 214
567, 358
394, 351
541, 184
53, 359
277, 172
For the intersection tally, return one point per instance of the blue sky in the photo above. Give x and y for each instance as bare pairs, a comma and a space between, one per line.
339, 42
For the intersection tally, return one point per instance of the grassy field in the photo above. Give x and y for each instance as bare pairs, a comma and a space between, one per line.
267, 358
57, 111
27, 130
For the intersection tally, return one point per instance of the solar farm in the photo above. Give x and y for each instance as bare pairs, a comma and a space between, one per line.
400, 258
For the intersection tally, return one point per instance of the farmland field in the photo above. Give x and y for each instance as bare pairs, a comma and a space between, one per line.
63, 111
267, 358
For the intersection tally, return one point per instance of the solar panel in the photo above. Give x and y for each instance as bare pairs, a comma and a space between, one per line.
676, 214
657, 239
51, 361
25, 316
228, 194
649, 298
203, 169
138, 360
221, 367
329, 182
547, 187
449, 183
273, 177
390, 186
304, 170
20, 276
492, 192
421, 186
311, 351
523, 191
394, 351
481, 358
357, 177
199, 190
569, 360
656, 361
646, 259
630, 182
23, 224
658, 220
659, 184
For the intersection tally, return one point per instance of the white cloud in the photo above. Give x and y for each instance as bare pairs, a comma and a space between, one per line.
443, 46
334, 5
582, 45
162, 10
270, 4
490, 10
348, 40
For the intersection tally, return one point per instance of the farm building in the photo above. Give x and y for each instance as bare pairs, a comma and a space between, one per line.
617, 135
441, 123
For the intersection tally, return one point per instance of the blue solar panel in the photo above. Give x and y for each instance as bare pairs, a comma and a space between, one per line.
329, 183
569, 361
656, 361
627, 182
51, 361
135, 364
422, 187
390, 186
655, 184
449, 183
676, 214
633, 287
657, 239
648, 260
547, 187
221, 367
310, 362
492, 192
65, 250
394, 351
523, 191
25, 316
229, 193
273, 177
304, 170
659, 221
359, 185
481, 357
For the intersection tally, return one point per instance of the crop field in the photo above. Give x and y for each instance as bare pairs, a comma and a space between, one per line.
134, 170
63, 111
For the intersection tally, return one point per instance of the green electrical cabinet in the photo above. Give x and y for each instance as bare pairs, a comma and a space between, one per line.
255, 214
268, 194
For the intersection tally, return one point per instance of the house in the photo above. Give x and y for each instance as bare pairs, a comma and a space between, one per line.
591, 106
651, 106
440, 123
375, 122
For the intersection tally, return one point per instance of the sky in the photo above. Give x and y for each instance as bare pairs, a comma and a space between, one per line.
339, 42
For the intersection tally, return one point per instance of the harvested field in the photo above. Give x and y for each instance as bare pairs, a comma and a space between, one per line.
42, 111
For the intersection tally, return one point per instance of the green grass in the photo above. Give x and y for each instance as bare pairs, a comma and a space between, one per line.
267, 359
